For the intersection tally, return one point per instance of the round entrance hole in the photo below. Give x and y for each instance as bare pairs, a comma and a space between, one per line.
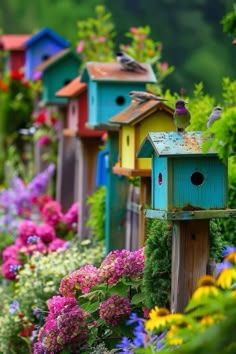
120, 100
160, 179
197, 178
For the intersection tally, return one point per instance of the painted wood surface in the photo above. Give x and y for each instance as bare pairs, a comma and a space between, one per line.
190, 253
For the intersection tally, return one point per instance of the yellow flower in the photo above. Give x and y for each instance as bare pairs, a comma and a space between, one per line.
210, 320
206, 287
231, 258
160, 317
172, 337
226, 278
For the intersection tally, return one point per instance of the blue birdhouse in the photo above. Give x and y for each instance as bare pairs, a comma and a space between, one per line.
102, 168
108, 89
41, 47
183, 177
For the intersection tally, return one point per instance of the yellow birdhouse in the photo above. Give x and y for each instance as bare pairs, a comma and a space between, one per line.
134, 124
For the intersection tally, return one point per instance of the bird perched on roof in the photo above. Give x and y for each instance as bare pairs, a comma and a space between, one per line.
141, 96
128, 63
181, 116
215, 115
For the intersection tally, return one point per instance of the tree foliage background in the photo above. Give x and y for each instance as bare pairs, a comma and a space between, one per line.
191, 31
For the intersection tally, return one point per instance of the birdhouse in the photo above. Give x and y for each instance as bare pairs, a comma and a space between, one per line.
108, 89
13, 45
135, 122
40, 47
184, 178
87, 146
77, 109
56, 72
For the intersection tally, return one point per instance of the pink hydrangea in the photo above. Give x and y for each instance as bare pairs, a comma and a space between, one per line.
25, 229
114, 310
46, 233
121, 263
71, 216
10, 252
29, 249
52, 213
10, 269
65, 325
57, 244
86, 277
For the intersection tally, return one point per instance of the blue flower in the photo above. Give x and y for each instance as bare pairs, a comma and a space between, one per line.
228, 249
221, 266
14, 307
133, 319
125, 345
33, 239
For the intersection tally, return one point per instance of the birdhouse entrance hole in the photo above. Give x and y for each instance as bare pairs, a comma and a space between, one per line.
197, 178
45, 57
160, 179
120, 100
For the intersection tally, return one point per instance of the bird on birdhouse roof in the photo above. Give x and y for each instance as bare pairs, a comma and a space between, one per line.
181, 116
129, 63
142, 97
215, 115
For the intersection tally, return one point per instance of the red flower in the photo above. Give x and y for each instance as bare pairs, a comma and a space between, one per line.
27, 331
16, 75
41, 118
3, 86
53, 120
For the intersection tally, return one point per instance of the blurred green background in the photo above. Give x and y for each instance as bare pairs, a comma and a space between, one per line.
190, 31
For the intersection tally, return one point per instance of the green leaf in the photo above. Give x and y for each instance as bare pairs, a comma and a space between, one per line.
90, 307
137, 298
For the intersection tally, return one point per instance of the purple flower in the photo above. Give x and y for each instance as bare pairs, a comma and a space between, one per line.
221, 266
14, 307
228, 249
46, 233
32, 239
114, 309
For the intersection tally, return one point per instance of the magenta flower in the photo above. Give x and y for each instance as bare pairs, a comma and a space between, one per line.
26, 228
10, 252
10, 269
71, 216
57, 244
46, 233
52, 214
114, 310
44, 140
102, 39
80, 46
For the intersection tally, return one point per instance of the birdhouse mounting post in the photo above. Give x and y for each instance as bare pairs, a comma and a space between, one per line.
190, 252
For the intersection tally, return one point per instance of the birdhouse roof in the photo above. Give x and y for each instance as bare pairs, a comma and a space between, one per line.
73, 89
136, 112
47, 32
173, 144
112, 72
56, 58
14, 41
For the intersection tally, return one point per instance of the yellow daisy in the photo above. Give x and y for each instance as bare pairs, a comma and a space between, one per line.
208, 320
206, 287
226, 278
160, 317
172, 336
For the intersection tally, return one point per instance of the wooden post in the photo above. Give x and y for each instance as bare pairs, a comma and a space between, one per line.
116, 199
145, 198
190, 253
86, 164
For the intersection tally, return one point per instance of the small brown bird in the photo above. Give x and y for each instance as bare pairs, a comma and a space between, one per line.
141, 96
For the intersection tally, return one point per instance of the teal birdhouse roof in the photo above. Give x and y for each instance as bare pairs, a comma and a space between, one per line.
112, 72
173, 144
53, 60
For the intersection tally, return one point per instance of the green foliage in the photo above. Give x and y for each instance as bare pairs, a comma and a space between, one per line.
200, 106
229, 22
96, 220
218, 239
96, 37
157, 271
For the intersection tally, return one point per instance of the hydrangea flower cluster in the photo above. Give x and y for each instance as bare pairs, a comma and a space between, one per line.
52, 213
114, 310
86, 276
121, 263
64, 325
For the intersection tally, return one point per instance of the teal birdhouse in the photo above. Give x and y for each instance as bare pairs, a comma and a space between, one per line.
183, 177
108, 89
56, 72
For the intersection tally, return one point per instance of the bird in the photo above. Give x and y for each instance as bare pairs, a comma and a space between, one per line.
142, 97
215, 115
181, 116
128, 63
